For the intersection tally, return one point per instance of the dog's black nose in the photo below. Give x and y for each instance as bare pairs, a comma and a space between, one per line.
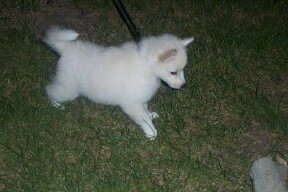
183, 85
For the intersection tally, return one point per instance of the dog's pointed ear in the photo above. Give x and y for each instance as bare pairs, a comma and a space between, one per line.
167, 56
187, 41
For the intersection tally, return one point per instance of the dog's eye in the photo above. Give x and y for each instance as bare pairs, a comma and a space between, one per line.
174, 73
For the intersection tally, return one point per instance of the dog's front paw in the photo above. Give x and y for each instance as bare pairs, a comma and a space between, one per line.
151, 137
153, 115
58, 105
151, 133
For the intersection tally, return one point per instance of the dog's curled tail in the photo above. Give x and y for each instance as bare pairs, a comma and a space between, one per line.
57, 38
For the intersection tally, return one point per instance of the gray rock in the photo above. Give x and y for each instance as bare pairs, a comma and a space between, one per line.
269, 176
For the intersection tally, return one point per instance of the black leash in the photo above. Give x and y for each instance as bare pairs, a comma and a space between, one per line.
128, 21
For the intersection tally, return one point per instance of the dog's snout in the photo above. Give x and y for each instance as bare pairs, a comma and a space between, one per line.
183, 85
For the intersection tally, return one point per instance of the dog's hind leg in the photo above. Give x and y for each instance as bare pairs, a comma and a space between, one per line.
140, 116
61, 90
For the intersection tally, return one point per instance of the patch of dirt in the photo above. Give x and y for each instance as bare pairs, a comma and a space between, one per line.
258, 142
62, 17
83, 20
261, 142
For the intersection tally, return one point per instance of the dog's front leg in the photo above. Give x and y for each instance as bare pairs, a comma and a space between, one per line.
140, 116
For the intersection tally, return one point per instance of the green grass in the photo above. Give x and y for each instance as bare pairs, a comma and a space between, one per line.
233, 111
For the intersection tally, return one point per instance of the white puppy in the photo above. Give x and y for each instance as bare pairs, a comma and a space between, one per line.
127, 76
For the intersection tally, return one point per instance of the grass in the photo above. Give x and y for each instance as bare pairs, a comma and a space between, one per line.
233, 111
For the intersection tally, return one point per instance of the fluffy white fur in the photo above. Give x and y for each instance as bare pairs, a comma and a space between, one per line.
127, 76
